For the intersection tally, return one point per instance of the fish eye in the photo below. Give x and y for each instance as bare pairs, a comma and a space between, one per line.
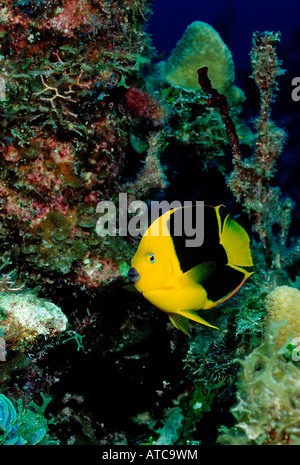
152, 258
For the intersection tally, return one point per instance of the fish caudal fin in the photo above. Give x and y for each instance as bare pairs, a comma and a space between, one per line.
180, 322
236, 243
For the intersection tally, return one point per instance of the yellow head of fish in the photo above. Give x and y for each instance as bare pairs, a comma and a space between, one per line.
153, 266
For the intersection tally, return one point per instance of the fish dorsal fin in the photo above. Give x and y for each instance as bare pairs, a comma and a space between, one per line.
180, 322
236, 243
200, 273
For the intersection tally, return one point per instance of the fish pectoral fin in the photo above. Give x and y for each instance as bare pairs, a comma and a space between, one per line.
180, 322
201, 272
132, 289
195, 317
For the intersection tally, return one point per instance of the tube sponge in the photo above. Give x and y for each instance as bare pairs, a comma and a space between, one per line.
201, 45
283, 303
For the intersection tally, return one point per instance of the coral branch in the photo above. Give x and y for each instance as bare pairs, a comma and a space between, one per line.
217, 100
250, 180
8, 286
56, 93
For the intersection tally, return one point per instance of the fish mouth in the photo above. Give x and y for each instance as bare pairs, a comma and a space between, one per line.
133, 275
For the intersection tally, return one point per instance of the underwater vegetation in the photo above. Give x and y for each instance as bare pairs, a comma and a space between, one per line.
24, 425
87, 114
267, 409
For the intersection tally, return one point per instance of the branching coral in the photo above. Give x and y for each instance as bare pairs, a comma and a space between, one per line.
250, 179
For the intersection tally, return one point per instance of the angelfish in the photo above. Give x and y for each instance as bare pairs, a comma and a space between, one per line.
179, 280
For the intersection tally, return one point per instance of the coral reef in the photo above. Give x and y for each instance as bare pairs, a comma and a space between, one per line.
81, 123
247, 329
70, 105
283, 304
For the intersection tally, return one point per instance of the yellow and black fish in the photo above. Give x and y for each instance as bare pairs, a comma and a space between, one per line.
180, 280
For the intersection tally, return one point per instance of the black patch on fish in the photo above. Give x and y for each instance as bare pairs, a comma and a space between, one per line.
225, 279
210, 250
224, 282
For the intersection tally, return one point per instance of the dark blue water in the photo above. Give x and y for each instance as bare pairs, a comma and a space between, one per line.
235, 20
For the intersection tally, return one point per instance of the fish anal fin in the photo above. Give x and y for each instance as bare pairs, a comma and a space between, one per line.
198, 274
180, 322
195, 317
